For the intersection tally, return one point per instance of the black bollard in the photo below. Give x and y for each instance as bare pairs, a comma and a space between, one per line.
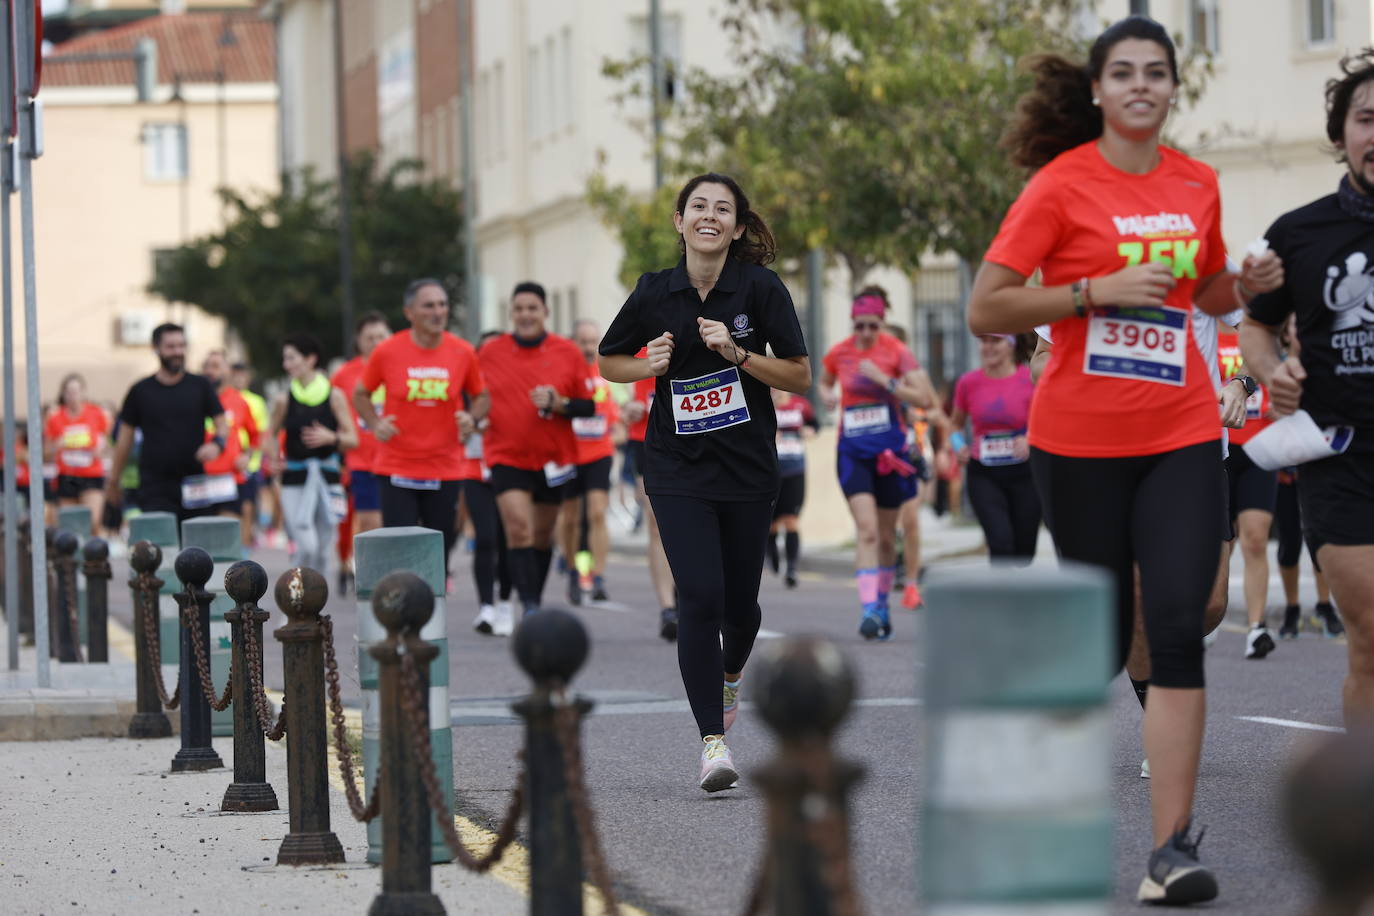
803, 688
25, 582
301, 594
551, 646
149, 720
64, 598
96, 569
193, 568
246, 583
403, 603
1328, 804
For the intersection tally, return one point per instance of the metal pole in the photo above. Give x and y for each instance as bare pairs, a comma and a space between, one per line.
656, 78
28, 151
345, 203
12, 575
471, 281
1140, 7
815, 317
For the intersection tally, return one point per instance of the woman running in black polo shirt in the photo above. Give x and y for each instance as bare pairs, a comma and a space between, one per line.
710, 466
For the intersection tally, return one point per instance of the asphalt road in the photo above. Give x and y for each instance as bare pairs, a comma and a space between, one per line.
675, 850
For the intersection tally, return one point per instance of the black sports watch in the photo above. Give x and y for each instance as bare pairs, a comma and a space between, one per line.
1246, 382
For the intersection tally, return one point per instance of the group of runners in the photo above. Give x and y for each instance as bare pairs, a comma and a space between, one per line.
1114, 431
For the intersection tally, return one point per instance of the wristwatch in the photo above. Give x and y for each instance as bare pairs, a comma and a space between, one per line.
1246, 382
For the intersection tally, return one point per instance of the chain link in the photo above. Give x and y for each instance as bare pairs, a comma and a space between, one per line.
416, 713
146, 590
565, 720
67, 570
360, 811
248, 628
190, 619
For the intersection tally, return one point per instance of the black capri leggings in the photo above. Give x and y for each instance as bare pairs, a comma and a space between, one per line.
488, 542
1156, 511
715, 550
1008, 509
1288, 520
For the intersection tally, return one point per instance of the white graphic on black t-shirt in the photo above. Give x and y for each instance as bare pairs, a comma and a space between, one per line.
1350, 296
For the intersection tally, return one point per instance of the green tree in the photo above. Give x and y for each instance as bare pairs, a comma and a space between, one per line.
274, 268
868, 128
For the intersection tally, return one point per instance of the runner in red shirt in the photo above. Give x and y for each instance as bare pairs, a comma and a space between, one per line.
588, 495
364, 502
427, 372
243, 438
76, 437
1126, 236
635, 413
538, 384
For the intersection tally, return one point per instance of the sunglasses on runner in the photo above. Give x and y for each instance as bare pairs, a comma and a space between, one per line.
868, 325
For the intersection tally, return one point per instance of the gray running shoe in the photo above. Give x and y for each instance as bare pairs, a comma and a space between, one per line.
1174, 875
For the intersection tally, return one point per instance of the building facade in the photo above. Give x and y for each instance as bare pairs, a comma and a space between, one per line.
121, 181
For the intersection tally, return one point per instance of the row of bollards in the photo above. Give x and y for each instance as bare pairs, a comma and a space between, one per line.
78, 606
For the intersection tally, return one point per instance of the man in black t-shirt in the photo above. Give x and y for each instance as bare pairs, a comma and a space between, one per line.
1327, 249
170, 407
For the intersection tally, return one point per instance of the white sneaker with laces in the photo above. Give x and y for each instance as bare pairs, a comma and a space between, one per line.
1258, 642
717, 767
503, 621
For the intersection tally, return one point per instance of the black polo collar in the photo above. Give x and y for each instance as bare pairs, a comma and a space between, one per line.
728, 281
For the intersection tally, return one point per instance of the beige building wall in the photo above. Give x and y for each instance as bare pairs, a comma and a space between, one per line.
99, 219
305, 73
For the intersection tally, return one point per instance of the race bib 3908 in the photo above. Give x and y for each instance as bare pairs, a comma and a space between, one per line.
1146, 344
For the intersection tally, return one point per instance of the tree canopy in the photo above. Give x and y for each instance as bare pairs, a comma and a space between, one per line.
274, 267
868, 128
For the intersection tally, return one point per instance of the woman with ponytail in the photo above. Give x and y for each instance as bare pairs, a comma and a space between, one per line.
1123, 432
710, 461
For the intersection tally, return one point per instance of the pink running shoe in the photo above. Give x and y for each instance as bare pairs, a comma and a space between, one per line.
717, 768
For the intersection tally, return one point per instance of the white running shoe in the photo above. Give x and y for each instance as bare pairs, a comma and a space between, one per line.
1145, 768
1258, 642
486, 620
717, 768
503, 622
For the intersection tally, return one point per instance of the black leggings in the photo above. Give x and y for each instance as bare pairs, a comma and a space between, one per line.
715, 550
1157, 511
1008, 508
1288, 519
489, 562
434, 509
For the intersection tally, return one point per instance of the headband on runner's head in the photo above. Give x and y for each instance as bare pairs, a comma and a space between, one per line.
867, 305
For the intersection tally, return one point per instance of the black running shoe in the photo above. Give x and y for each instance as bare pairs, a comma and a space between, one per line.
1331, 621
599, 590
667, 624
1258, 642
790, 580
574, 590
1174, 875
1292, 621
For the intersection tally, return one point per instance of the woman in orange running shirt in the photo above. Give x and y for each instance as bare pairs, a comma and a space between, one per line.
1126, 234
76, 439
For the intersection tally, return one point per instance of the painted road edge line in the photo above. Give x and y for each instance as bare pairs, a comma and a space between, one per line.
1293, 723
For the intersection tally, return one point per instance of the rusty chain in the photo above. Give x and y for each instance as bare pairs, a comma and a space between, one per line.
361, 812
67, 570
146, 589
565, 720
248, 629
416, 713
190, 620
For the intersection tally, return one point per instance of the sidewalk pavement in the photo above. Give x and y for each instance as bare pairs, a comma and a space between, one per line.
99, 826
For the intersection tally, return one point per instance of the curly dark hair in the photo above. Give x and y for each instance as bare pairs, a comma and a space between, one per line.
756, 245
1057, 113
1357, 69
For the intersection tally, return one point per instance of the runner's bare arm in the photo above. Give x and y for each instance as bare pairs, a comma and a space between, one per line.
382, 427
914, 388
346, 436
828, 398
1284, 378
1222, 291
1002, 303
277, 418
620, 367
124, 444
1040, 358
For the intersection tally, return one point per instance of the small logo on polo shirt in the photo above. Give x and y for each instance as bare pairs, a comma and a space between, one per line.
742, 328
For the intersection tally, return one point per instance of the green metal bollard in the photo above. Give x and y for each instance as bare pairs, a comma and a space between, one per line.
77, 520
160, 530
220, 538
1017, 804
375, 554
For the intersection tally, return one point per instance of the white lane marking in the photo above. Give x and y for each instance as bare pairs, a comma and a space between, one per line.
607, 606
466, 710
1292, 723
770, 634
